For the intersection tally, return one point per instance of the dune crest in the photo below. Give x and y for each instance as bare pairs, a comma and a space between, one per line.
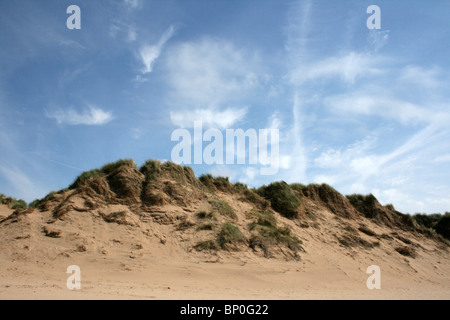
160, 223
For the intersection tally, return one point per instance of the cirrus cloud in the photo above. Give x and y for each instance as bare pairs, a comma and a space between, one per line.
91, 116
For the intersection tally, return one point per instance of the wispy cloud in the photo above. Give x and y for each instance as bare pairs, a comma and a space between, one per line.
150, 53
22, 185
398, 114
91, 116
209, 117
377, 39
348, 67
133, 4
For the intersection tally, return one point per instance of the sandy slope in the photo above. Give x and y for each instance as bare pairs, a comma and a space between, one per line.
135, 235
126, 262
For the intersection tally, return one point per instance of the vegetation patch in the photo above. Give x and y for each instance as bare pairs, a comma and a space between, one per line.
205, 227
253, 198
216, 183
298, 187
150, 169
223, 208
13, 203
443, 226
270, 233
351, 240
85, 177
113, 166
364, 204
230, 237
208, 245
282, 198
367, 231
407, 252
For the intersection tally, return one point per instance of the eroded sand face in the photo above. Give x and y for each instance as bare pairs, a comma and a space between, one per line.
120, 261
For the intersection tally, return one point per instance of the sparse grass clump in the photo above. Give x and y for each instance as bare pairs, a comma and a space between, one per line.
209, 245
13, 203
367, 231
205, 227
266, 226
18, 205
390, 207
150, 169
230, 236
407, 252
113, 166
240, 187
254, 198
298, 187
427, 220
437, 223
223, 208
85, 177
349, 240
282, 198
364, 204
216, 183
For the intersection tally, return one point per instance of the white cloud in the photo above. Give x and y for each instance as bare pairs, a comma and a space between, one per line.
348, 67
442, 158
225, 119
422, 77
210, 74
381, 105
91, 116
150, 53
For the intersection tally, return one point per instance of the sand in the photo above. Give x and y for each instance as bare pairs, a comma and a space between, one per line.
121, 262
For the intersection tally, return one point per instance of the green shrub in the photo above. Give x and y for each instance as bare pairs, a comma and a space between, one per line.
282, 198
230, 235
443, 227
364, 204
12, 203
35, 203
18, 205
427, 220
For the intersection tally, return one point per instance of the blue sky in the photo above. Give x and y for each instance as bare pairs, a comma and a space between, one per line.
366, 111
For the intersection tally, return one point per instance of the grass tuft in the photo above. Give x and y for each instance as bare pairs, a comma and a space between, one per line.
282, 198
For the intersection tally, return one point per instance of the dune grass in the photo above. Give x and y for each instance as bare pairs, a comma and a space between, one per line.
282, 198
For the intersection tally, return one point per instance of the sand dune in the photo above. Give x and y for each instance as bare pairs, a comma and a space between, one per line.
139, 239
